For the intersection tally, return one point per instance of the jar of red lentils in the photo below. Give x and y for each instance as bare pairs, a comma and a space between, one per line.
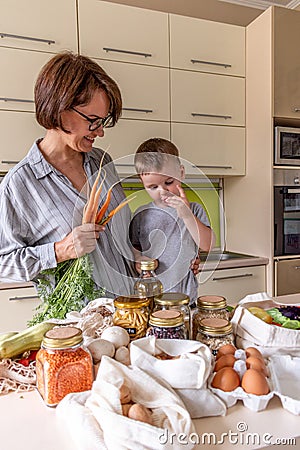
63, 365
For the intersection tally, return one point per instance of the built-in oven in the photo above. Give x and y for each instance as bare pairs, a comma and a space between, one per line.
287, 230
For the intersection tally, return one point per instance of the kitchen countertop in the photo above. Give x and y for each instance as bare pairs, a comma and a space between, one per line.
26, 423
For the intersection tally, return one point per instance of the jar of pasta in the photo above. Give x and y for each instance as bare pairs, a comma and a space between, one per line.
175, 301
167, 324
63, 365
209, 306
132, 313
215, 333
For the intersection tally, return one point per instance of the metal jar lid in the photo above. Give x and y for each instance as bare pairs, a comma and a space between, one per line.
148, 264
62, 337
215, 326
172, 299
132, 301
166, 318
211, 302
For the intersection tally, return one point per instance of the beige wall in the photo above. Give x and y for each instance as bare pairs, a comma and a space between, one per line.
204, 9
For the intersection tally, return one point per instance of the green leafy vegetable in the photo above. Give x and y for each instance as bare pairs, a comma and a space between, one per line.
278, 317
65, 288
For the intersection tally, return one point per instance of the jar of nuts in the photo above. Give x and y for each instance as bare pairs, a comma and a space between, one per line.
63, 365
215, 333
167, 324
208, 306
176, 301
132, 313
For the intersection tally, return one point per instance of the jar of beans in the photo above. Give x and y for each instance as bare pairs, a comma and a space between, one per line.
167, 324
63, 365
175, 301
132, 313
208, 306
215, 333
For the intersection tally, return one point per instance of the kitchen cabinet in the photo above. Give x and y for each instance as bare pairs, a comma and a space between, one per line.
233, 284
17, 307
122, 33
145, 90
39, 25
214, 150
205, 46
16, 95
18, 131
206, 98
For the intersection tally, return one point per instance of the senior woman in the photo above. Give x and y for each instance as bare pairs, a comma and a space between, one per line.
42, 197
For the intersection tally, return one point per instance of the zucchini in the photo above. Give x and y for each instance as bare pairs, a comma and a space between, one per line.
29, 339
5, 336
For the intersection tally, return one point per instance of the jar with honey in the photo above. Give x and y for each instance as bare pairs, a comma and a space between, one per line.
63, 365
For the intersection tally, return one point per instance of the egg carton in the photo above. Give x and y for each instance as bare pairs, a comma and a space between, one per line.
283, 381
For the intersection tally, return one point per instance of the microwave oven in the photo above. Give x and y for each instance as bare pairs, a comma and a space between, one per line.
287, 146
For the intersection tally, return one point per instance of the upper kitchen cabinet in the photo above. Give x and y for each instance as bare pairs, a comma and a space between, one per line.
145, 90
123, 33
16, 95
206, 98
206, 46
47, 26
286, 23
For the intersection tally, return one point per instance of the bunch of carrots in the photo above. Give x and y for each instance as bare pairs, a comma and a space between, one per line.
73, 279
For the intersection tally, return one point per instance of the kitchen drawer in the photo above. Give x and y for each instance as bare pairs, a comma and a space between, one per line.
233, 284
122, 141
17, 307
145, 90
47, 26
123, 33
206, 98
206, 46
19, 70
213, 150
18, 131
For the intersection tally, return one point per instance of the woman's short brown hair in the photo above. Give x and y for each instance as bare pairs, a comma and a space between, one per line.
69, 80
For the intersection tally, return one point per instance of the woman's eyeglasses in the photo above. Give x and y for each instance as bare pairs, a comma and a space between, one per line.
97, 122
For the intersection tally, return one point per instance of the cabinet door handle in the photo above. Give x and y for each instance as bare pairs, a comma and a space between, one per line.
212, 167
26, 38
138, 110
18, 100
9, 162
297, 109
24, 297
297, 267
211, 115
128, 52
231, 277
211, 63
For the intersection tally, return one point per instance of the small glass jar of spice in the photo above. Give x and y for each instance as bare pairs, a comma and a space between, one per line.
167, 324
209, 306
215, 333
175, 301
63, 365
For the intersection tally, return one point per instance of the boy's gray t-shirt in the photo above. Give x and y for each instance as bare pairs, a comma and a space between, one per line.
159, 234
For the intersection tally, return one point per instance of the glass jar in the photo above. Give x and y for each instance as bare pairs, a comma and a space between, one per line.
167, 325
175, 301
132, 313
148, 285
215, 333
63, 365
209, 306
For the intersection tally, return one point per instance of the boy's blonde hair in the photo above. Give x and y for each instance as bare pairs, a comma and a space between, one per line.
153, 154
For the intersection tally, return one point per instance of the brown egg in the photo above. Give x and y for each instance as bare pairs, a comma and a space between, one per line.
256, 363
224, 361
254, 382
226, 379
252, 351
225, 350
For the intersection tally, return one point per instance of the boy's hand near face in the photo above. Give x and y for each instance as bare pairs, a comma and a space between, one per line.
180, 203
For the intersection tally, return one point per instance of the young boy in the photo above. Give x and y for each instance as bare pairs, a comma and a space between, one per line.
170, 229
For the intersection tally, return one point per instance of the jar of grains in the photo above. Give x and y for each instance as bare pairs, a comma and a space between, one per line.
63, 365
175, 301
132, 313
208, 306
214, 333
167, 324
